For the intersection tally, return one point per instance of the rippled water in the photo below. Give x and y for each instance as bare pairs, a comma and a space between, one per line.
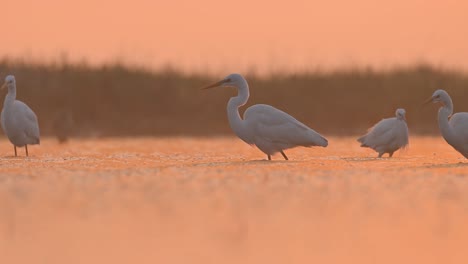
217, 200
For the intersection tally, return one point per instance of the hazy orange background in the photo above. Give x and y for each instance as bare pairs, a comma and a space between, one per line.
239, 35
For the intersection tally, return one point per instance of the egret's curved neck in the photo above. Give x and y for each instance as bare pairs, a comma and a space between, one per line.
444, 113
235, 120
11, 96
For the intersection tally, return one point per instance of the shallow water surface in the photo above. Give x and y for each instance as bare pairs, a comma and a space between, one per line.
217, 200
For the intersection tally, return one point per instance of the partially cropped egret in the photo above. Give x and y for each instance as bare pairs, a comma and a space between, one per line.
264, 126
454, 128
18, 120
388, 135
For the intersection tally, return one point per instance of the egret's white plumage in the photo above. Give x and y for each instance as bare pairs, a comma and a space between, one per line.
18, 121
388, 135
264, 126
454, 128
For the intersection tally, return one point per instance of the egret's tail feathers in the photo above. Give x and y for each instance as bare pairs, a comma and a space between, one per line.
319, 141
311, 139
324, 142
362, 141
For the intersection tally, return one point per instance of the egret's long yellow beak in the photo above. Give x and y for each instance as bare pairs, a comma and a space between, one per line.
216, 84
4, 86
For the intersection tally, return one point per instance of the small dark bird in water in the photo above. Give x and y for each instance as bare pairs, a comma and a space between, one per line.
63, 126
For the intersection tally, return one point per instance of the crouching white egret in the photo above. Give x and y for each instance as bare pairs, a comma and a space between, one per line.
388, 135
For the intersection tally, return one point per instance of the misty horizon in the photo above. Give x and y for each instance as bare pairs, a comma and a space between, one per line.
213, 36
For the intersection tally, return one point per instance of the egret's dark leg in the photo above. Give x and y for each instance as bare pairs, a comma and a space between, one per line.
269, 157
284, 155
16, 155
27, 154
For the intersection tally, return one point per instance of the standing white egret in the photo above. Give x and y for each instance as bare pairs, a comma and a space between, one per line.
264, 126
18, 120
388, 135
455, 130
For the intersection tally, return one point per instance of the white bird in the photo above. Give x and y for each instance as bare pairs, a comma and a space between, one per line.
18, 120
388, 135
264, 126
454, 128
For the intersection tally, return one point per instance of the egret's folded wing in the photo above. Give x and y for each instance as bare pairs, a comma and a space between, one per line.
31, 125
279, 127
459, 123
380, 133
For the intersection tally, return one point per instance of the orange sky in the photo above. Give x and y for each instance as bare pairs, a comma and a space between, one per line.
228, 36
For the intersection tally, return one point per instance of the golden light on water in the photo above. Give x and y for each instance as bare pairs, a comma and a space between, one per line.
157, 200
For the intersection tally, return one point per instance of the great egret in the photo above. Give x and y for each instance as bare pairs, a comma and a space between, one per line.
455, 130
388, 135
18, 120
264, 126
